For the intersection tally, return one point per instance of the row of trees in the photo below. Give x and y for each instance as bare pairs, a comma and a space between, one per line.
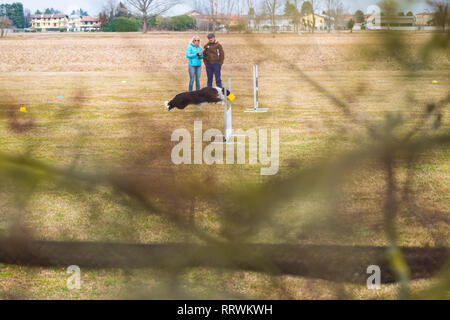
131, 16
80, 12
333, 9
47, 11
14, 12
146, 10
296, 9
123, 24
134, 24
296, 13
257, 9
441, 12
178, 23
150, 10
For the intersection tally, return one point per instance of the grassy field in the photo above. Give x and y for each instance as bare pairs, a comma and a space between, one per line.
112, 117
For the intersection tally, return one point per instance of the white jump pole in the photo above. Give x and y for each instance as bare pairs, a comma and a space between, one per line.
228, 110
256, 108
228, 114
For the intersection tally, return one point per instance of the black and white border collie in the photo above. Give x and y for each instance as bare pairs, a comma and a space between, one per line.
199, 98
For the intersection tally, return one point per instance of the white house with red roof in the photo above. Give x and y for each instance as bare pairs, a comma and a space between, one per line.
89, 23
425, 19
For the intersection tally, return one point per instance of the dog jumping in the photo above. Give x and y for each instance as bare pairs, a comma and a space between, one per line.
198, 98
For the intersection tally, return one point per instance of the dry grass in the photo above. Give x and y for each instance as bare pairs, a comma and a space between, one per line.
165, 52
124, 79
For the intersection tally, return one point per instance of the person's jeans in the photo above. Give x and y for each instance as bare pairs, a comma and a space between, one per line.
214, 70
194, 74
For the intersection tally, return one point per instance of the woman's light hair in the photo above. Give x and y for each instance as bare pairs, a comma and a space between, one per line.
194, 37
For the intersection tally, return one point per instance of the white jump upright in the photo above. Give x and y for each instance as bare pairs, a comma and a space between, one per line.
228, 113
228, 109
256, 108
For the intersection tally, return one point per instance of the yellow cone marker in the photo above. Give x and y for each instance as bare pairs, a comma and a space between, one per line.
231, 97
435, 81
23, 109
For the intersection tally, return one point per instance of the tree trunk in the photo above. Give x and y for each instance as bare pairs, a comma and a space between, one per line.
272, 21
145, 23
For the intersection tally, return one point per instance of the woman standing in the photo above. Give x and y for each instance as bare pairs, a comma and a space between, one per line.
195, 55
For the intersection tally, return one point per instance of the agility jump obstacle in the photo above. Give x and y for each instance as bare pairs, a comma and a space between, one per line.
256, 108
228, 110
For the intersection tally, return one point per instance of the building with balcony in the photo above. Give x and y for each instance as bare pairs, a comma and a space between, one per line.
50, 22
89, 23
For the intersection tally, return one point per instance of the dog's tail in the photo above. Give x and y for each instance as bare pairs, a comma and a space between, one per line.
166, 103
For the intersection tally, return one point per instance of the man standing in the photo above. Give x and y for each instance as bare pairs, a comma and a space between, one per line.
213, 57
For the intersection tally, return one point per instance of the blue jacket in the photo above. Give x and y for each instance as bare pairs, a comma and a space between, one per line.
191, 54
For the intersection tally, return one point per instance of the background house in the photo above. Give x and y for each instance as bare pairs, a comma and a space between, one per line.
49, 22
89, 23
62, 22
344, 19
284, 23
219, 22
74, 23
425, 19
378, 21
265, 23
194, 14
320, 22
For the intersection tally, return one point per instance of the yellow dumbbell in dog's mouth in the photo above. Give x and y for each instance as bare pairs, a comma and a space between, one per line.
231, 97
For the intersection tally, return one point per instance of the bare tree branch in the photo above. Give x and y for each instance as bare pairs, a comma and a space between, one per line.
151, 8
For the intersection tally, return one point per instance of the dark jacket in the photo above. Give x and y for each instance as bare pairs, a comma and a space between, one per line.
214, 53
